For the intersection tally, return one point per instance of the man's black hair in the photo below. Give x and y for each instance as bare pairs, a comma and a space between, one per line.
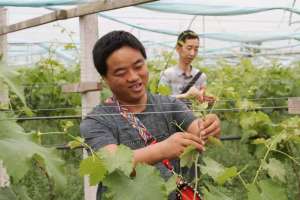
111, 42
187, 34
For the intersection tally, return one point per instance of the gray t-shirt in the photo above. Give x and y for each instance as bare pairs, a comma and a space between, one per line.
176, 79
105, 126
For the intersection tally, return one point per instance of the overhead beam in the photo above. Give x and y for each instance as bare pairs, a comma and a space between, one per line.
80, 10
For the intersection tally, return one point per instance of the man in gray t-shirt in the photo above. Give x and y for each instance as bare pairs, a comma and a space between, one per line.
120, 59
102, 127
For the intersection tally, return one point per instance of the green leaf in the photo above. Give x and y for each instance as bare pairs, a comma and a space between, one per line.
17, 149
212, 168
275, 169
266, 190
122, 159
188, 157
5, 77
218, 172
214, 194
76, 143
259, 141
227, 174
171, 184
94, 167
253, 193
146, 185
7, 194
295, 139
214, 141
21, 192
164, 90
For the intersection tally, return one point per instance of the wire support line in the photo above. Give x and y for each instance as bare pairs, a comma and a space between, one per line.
175, 103
67, 147
146, 113
112, 106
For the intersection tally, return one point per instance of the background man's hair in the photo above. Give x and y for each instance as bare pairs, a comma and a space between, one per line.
187, 34
111, 42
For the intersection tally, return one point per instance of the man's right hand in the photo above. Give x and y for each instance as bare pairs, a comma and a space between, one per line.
175, 145
193, 92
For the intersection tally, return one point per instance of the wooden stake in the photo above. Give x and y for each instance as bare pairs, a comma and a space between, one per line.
4, 100
88, 37
294, 105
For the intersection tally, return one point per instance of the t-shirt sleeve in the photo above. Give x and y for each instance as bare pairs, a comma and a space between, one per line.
183, 116
202, 81
96, 133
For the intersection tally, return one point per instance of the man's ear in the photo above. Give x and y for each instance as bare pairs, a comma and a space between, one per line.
104, 78
178, 48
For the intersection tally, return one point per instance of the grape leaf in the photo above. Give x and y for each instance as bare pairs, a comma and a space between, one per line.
212, 168
122, 159
7, 194
146, 185
226, 175
266, 190
17, 149
214, 141
94, 167
275, 169
164, 90
218, 172
188, 157
76, 143
214, 194
171, 184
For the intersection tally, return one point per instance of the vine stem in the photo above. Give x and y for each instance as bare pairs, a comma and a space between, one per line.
241, 178
196, 174
264, 159
287, 155
86, 146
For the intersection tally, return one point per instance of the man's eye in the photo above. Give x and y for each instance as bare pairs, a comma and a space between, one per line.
120, 73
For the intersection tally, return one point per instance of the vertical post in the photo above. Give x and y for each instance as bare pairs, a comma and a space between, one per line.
4, 179
88, 37
4, 100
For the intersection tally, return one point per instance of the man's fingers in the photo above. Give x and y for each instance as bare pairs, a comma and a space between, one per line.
211, 128
215, 133
192, 137
197, 145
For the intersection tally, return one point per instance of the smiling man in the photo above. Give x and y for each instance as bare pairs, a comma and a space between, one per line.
177, 78
135, 117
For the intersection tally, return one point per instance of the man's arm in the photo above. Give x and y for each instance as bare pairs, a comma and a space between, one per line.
192, 92
170, 148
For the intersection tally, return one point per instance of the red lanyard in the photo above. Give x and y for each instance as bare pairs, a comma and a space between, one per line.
185, 191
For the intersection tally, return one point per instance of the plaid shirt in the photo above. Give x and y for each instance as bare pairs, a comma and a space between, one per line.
176, 79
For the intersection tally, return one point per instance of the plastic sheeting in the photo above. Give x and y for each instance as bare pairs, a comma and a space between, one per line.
183, 7
230, 37
209, 10
39, 3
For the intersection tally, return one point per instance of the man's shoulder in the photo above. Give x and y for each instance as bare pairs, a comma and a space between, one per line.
101, 111
170, 70
164, 102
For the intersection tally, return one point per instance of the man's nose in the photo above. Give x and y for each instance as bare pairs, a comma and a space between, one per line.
132, 76
193, 52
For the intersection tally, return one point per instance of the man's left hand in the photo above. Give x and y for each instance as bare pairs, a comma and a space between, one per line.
211, 126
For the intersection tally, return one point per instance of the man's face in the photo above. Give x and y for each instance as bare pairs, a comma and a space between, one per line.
188, 51
127, 74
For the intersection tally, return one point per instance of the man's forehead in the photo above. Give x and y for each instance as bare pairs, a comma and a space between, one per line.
193, 42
